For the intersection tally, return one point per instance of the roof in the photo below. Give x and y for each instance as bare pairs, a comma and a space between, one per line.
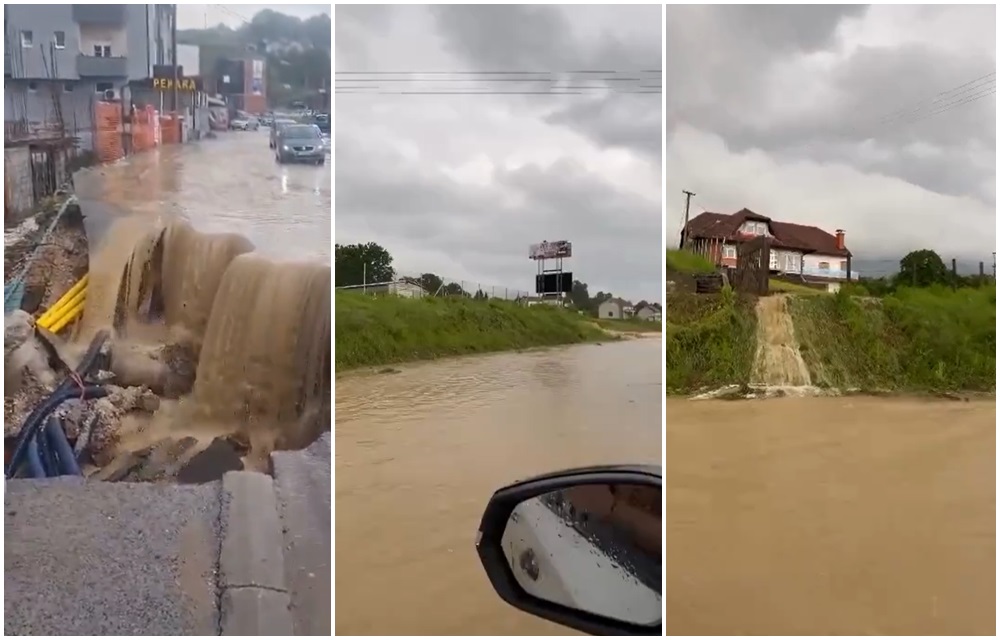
787, 235
618, 301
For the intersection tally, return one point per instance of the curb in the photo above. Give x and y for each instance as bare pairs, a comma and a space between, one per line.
254, 596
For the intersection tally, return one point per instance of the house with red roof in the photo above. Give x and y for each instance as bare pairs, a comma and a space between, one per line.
796, 249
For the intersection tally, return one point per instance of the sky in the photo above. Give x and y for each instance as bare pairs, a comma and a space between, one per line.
461, 185
822, 115
198, 16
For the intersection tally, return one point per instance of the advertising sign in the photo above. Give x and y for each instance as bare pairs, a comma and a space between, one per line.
553, 283
551, 250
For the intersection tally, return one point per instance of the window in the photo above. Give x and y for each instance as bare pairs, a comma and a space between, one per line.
102, 50
729, 251
791, 262
32, 87
60, 39
68, 87
843, 265
104, 86
27, 39
824, 266
611, 314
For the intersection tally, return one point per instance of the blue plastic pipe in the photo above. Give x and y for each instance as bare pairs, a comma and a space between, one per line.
35, 469
34, 422
59, 445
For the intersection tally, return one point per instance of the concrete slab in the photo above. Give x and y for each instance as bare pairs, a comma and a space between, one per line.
302, 485
88, 559
250, 611
252, 544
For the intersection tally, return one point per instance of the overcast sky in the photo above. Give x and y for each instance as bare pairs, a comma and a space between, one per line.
461, 185
820, 115
198, 16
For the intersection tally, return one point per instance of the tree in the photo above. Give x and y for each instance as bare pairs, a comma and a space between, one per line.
923, 268
480, 295
362, 263
580, 296
431, 282
454, 289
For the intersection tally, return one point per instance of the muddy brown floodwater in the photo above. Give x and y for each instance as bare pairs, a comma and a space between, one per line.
419, 453
830, 516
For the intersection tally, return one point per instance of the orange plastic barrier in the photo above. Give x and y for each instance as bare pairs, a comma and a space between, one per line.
108, 131
170, 128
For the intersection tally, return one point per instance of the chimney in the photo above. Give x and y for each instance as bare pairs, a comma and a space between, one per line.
840, 239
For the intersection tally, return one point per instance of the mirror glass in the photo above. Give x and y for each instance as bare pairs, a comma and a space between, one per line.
592, 547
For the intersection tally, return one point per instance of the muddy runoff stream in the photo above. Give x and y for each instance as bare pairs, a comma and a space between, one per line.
830, 516
419, 452
236, 344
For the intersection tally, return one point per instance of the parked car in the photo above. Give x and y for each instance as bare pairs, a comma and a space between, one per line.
322, 121
245, 124
276, 127
300, 143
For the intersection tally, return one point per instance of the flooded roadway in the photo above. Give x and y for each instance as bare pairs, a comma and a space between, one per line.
830, 516
230, 184
418, 454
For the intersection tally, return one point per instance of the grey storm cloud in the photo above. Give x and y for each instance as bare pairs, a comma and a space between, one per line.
461, 185
844, 96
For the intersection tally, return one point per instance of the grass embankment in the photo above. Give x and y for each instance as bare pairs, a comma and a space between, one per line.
709, 341
915, 340
681, 261
373, 331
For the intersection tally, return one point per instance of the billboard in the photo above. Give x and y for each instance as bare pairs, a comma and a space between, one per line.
551, 250
553, 283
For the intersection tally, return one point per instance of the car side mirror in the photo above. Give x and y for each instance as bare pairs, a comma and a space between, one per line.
582, 548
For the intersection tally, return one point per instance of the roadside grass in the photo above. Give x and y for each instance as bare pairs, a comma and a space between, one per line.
372, 331
634, 325
709, 341
682, 261
918, 340
782, 286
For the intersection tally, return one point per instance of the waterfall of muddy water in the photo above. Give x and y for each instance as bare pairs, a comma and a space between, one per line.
265, 363
193, 264
830, 516
778, 361
117, 266
420, 451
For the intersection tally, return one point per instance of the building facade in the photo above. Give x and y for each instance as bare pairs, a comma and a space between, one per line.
796, 249
59, 59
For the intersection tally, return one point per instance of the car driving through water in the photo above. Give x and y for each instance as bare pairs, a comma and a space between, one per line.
300, 143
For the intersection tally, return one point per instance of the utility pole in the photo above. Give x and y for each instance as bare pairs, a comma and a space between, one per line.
687, 213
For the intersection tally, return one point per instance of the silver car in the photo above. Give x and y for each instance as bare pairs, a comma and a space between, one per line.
300, 143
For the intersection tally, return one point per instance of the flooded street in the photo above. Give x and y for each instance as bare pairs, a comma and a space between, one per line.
817, 516
231, 184
419, 452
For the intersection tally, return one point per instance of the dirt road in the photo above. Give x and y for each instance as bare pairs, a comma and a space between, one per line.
819, 516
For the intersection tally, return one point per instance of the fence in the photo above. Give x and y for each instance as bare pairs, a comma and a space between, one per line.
428, 284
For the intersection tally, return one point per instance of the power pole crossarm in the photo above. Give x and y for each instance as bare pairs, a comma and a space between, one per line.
687, 213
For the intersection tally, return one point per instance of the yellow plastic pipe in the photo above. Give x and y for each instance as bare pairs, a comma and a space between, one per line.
66, 318
66, 298
52, 319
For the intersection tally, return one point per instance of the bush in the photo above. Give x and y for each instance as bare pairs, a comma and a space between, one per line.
709, 341
683, 261
930, 339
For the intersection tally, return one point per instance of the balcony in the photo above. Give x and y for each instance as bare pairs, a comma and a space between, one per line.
103, 14
95, 67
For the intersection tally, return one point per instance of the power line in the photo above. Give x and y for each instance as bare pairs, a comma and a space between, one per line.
942, 101
499, 82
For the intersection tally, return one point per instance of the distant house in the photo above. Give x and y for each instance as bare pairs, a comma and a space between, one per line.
795, 248
615, 309
649, 311
405, 287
